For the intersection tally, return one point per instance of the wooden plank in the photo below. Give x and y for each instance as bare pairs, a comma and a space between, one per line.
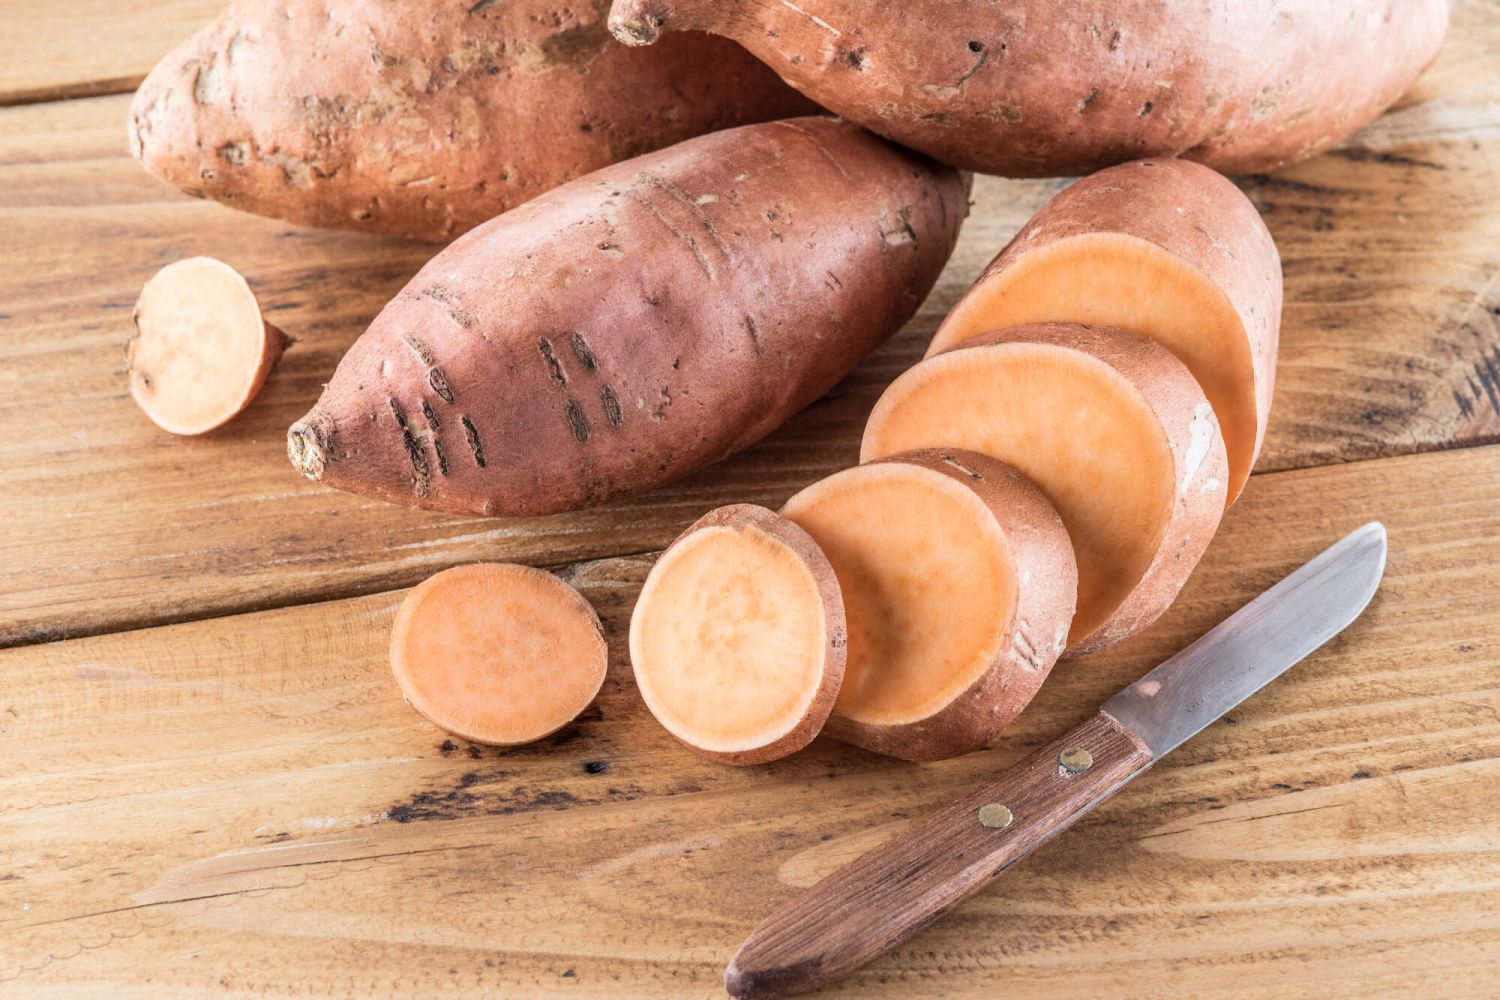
244, 806
86, 47
1392, 345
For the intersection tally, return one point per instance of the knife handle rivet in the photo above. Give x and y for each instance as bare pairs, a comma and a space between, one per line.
995, 816
1074, 760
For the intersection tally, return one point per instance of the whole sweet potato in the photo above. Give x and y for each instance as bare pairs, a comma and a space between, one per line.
1034, 88
424, 118
635, 324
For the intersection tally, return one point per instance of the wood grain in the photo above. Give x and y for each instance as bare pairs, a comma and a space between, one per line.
1392, 345
86, 47
244, 807
860, 912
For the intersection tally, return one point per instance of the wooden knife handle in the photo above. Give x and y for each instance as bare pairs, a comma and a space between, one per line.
879, 900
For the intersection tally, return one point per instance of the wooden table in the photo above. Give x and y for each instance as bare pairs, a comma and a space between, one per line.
209, 783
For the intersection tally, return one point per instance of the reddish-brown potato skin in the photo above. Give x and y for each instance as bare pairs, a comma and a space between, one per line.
1039, 549
1172, 392
749, 517
1187, 210
425, 118
636, 324
1035, 88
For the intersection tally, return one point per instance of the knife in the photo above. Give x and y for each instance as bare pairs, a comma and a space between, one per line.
883, 897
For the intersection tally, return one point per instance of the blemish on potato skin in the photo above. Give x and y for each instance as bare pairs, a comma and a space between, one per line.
577, 422
554, 367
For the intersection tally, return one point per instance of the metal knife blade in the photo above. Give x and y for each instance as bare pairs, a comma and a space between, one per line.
1255, 645
883, 897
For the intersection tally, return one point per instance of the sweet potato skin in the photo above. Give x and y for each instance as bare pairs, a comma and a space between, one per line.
636, 324
1191, 212
1043, 557
1034, 88
425, 118
750, 517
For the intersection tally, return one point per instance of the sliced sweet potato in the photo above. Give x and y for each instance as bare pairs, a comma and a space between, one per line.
201, 350
1112, 428
1165, 249
738, 637
958, 583
498, 653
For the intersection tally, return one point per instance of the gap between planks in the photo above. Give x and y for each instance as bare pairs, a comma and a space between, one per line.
357, 589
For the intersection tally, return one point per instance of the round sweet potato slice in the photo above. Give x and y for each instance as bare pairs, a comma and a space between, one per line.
201, 349
1165, 249
738, 637
498, 653
959, 584
1112, 428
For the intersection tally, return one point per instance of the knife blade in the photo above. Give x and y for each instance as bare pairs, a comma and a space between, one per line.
883, 897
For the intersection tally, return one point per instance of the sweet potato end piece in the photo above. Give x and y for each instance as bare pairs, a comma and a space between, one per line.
498, 653
737, 640
201, 349
1125, 282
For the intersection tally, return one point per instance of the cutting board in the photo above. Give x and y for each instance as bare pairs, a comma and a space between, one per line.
209, 784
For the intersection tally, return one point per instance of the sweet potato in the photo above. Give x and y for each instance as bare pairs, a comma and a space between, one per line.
1035, 88
958, 583
738, 638
1112, 428
425, 118
498, 653
201, 349
1165, 249
636, 324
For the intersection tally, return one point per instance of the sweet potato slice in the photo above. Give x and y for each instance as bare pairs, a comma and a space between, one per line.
201, 349
1165, 249
958, 583
738, 637
498, 653
1112, 428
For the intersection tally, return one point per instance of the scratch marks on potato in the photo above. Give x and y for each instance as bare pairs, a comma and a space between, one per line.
445, 297
976, 65
1087, 99
576, 420
584, 353
818, 143
754, 334
421, 472
554, 367
471, 434
611, 403
955, 463
678, 199
811, 17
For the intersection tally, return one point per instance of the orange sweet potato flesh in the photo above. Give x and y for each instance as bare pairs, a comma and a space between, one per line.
498, 653
1038, 88
424, 118
635, 324
1112, 429
201, 350
1167, 250
958, 582
738, 638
